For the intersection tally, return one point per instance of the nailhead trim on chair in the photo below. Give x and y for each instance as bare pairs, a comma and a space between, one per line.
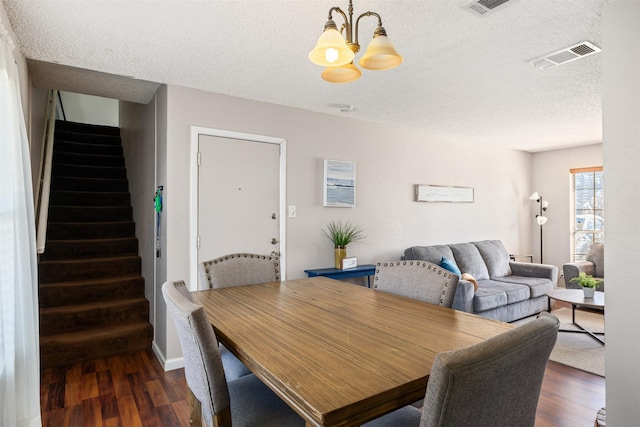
447, 273
206, 264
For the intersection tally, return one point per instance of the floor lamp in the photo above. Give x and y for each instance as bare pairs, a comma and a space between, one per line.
540, 219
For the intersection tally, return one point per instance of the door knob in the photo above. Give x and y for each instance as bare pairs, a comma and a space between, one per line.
274, 241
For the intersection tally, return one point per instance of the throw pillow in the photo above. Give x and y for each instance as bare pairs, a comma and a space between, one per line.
469, 278
450, 265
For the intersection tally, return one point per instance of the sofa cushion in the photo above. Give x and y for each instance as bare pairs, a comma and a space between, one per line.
495, 257
450, 265
432, 254
487, 298
469, 260
492, 294
538, 286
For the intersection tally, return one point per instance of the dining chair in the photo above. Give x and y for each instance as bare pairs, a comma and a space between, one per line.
239, 269
419, 280
242, 402
233, 367
494, 383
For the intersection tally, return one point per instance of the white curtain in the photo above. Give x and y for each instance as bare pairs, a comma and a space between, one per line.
19, 351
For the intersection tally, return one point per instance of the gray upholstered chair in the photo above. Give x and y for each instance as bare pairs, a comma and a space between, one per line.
233, 367
245, 401
239, 269
592, 265
419, 280
494, 383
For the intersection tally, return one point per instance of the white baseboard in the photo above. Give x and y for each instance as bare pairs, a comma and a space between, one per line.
170, 364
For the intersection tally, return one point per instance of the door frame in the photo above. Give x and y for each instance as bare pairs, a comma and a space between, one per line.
196, 131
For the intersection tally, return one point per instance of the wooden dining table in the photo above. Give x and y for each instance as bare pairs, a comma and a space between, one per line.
339, 354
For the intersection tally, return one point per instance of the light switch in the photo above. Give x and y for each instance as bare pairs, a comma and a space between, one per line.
292, 211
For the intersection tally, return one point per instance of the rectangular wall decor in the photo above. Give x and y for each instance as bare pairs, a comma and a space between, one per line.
339, 187
443, 193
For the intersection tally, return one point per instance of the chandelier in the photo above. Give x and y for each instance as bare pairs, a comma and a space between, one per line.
337, 52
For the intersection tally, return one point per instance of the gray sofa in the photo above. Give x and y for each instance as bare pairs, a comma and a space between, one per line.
593, 265
507, 290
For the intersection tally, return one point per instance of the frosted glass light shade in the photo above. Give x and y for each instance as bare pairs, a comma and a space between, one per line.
380, 55
534, 196
331, 50
545, 204
541, 220
343, 74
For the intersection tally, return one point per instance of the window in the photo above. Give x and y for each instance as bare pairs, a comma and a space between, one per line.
587, 186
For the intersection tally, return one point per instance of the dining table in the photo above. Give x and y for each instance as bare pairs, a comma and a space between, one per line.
338, 353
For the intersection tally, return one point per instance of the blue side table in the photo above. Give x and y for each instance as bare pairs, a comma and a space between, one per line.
334, 273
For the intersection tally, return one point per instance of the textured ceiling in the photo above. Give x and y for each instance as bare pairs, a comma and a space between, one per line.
464, 76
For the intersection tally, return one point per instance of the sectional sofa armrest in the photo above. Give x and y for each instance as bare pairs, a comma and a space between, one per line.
573, 269
463, 299
528, 269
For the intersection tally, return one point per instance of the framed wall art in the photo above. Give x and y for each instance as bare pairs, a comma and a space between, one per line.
339, 184
443, 193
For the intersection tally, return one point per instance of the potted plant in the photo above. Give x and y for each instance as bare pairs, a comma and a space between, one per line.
341, 234
587, 282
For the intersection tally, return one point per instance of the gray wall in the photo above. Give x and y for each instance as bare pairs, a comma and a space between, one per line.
164, 330
138, 131
552, 180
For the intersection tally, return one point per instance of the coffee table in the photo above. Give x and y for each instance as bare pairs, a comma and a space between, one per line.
576, 298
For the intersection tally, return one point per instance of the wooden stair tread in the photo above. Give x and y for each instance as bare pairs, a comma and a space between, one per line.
92, 306
102, 240
90, 282
88, 260
79, 337
86, 128
89, 224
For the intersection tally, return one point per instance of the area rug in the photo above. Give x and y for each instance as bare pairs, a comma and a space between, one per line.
579, 351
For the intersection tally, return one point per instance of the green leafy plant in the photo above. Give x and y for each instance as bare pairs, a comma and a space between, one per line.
341, 234
586, 280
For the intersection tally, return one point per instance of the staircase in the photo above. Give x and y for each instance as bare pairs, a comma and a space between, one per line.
91, 292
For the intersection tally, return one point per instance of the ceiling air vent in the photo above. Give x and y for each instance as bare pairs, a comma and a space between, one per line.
481, 7
565, 55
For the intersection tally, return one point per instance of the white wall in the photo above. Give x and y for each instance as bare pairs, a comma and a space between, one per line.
552, 180
21, 62
35, 128
23, 72
389, 162
621, 131
90, 109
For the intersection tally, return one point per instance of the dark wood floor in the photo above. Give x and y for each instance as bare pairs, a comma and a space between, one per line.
133, 390
119, 391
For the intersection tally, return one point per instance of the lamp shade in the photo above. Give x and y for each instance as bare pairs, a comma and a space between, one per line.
343, 74
541, 220
380, 55
545, 204
534, 196
331, 50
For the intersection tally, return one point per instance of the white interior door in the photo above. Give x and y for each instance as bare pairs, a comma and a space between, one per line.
239, 197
